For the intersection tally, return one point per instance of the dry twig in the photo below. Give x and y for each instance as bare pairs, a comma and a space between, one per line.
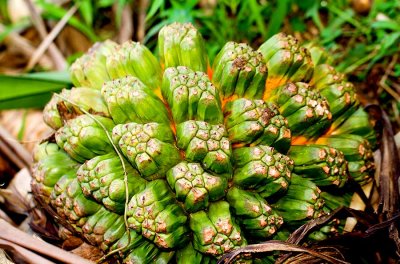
384, 78
15, 41
23, 253
274, 245
24, 244
12, 149
48, 40
141, 28
4, 259
58, 59
126, 30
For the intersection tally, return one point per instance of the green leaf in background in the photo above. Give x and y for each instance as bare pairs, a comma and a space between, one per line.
311, 9
21, 131
4, 16
86, 11
390, 41
298, 24
332, 31
278, 17
19, 26
120, 7
386, 24
104, 3
154, 7
31, 90
52, 11
233, 4
396, 70
258, 17
360, 50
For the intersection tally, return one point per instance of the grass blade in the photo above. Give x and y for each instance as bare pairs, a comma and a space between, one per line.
55, 12
278, 17
30, 90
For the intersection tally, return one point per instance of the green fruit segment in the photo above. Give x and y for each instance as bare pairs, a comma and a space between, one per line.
301, 202
127, 244
325, 75
334, 201
195, 187
148, 147
354, 147
140, 250
107, 61
340, 94
282, 234
70, 203
52, 163
58, 110
85, 137
215, 232
323, 165
90, 69
155, 214
99, 226
175, 162
286, 60
129, 100
206, 143
44, 149
302, 66
182, 45
89, 99
102, 178
318, 54
189, 255
191, 96
326, 231
306, 111
51, 114
358, 123
358, 153
239, 71
134, 59
164, 257
255, 215
103, 228
147, 252
262, 169
255, 122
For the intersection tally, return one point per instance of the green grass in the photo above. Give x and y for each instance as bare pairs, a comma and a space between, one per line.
358, 42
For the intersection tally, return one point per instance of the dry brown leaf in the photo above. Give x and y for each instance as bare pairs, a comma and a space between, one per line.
34, 129
397, 140
13, 238
16, 50
17, 196
22, 255
88, 252
7, 170
70, 41
275, 245
4, 259
38, 22
72, 243
6, 218
310, 259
